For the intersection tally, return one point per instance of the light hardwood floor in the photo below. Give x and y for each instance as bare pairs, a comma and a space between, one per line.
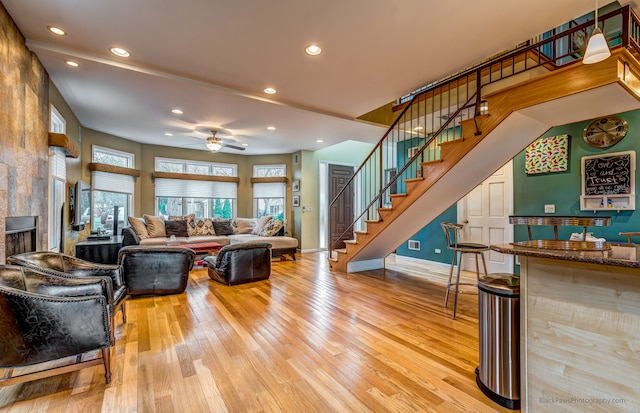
307, 340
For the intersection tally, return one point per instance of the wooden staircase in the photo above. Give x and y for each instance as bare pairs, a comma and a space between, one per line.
518, 115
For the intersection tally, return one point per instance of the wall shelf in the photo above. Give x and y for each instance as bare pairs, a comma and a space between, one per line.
618, 202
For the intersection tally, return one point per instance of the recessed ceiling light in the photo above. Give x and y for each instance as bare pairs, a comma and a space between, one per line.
418, 128
313, 50
168, 134
56, 30
177, 111
271, 127
71, 63
245, 144
118, 51
270, 91
319, 141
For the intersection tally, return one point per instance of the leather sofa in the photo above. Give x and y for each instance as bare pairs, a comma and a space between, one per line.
155, 270
63, 265
44, 317
240, 263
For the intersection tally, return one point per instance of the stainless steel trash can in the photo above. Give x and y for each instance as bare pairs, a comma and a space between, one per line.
498, 374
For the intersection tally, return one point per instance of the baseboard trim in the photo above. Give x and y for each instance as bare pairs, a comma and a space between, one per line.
306, 251
423, 261
357, 266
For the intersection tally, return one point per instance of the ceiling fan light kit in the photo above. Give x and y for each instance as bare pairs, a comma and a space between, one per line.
214, 144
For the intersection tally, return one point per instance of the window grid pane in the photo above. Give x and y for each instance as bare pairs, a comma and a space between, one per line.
192, 167
111, 157
263, 171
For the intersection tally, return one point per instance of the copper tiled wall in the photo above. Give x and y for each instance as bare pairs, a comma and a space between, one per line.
24, 119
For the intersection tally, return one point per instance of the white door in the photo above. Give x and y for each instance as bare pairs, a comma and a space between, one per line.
485, 214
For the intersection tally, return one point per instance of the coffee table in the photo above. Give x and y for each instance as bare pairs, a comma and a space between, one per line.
209, 248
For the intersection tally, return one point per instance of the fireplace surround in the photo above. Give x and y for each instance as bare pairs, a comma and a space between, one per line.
21, 235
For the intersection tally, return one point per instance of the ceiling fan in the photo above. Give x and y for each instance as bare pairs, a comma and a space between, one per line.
214, 143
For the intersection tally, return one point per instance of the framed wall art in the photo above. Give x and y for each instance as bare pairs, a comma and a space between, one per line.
550, 154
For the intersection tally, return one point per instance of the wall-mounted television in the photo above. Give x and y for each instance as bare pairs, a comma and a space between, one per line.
82, 207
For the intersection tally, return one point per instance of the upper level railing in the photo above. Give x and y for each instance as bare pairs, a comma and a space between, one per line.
434, 115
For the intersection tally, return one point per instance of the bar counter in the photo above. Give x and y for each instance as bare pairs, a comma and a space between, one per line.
579, 325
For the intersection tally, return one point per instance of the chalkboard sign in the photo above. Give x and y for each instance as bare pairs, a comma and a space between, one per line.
609, 174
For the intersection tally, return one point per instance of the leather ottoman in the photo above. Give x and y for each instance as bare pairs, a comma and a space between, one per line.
240, 263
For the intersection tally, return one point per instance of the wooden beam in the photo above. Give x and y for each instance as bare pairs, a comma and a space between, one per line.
101, 167
269, 179
62, 141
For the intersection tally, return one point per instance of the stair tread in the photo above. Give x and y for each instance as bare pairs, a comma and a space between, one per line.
360, 232
372, 221
385, 209
430, 162
397, 195
350, 241
414, 179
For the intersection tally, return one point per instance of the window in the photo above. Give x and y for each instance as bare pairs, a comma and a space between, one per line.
109, 190
269, 198
205, 199
195, 167
57, 180
57, 190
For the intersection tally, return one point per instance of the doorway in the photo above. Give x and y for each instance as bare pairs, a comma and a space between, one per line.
341, 214
485, 214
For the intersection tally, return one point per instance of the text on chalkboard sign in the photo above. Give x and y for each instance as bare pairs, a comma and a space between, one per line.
609, 174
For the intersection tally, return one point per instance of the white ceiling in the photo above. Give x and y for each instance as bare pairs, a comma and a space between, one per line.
213, 58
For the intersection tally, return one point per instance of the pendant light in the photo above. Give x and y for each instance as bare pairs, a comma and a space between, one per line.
597, 48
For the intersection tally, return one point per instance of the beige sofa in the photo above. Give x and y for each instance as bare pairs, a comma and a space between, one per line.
157, 231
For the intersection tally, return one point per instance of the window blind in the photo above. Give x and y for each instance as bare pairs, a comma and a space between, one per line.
269, 190
58, 163
110, 182
184, 188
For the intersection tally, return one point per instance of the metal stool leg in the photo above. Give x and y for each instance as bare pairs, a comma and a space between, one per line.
446, 296
457, 290
484, 264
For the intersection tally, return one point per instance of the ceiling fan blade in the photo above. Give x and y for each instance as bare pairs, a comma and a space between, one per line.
238, 148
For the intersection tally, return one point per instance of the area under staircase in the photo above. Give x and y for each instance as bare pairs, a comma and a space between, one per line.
442, 144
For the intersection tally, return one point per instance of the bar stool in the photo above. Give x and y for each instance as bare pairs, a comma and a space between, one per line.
452, 234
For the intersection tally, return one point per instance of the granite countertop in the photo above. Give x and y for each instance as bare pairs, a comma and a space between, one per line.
619, 255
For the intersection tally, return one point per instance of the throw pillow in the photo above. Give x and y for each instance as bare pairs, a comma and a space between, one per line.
204, 226
223, 227
261, 224
155, 226
272, 228
139, 227
245, 225
191, 222
177, 228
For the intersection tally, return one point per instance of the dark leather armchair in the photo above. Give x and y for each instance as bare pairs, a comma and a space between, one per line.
62, 265
44, 317
241, 263
156, 270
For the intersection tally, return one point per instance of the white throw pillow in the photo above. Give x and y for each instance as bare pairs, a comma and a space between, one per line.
245, 225
262, 222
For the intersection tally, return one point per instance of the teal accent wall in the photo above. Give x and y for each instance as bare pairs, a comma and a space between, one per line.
432, 237
532, 192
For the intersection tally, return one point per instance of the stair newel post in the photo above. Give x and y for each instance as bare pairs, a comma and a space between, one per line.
380, 177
